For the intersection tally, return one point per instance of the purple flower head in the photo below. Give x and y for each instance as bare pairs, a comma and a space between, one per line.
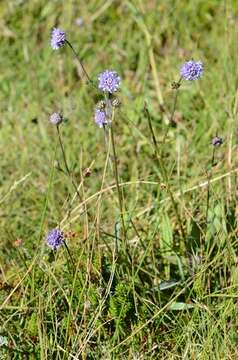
191, 70
109, 81
58, 38
55, 238
217, 141
56, 118
100, 118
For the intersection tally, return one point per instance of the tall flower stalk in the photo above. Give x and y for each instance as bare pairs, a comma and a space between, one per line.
59, 40
70, 175
109, 82
175, 86
80, 62
116, 174
164, 171
216, 142
57, 119
189, 71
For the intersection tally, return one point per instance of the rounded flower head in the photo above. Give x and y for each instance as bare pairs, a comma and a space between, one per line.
100, 118
109, 81
58, 38
191, 70
56, 118
55, 238
217, 141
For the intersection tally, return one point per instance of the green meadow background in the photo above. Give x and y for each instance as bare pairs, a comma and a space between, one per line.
170, 291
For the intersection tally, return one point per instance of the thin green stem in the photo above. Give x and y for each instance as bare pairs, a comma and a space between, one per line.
208, 184
80, 61
70, 256
120, 198
66, 164
163, 171
174, 105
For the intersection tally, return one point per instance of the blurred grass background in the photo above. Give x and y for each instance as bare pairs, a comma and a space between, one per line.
177, 299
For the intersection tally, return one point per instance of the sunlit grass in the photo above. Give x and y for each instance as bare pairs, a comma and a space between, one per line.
170, 290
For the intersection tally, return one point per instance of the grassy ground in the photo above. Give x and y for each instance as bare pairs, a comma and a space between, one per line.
169, 288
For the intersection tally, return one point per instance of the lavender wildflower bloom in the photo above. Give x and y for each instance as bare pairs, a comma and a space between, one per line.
109, 81
217, 141
100, 118
58, 38
56, 118
191, 70
55, 238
